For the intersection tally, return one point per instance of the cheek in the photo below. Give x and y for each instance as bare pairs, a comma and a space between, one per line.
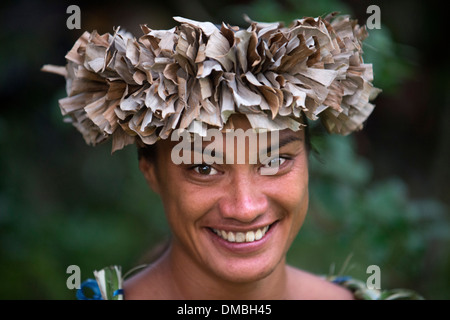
302, 191
301, 208
294, 198
185, 205
292, 189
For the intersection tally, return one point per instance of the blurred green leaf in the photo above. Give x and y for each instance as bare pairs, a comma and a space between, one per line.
392, 62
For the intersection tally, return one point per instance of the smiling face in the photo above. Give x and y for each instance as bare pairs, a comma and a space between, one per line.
229, 221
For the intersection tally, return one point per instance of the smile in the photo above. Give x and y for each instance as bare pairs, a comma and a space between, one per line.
249, 236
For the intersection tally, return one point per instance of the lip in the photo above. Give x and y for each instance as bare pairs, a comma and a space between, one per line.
243, 247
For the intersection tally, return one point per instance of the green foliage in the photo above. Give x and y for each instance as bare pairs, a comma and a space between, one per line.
392, 62
376, 222
95, 214
286, 11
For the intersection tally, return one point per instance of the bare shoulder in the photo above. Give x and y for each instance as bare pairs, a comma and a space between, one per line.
137, 288
305, 285
134, 287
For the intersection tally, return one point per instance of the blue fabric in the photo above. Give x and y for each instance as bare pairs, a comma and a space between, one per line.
93, 286
117, 292
341, 279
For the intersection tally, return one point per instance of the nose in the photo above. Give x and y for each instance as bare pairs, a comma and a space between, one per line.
243, 200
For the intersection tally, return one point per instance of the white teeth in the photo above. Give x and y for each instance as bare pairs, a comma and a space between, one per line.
239, 237
222, 233
231, 237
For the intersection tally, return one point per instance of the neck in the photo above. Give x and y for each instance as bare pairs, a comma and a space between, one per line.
188, 280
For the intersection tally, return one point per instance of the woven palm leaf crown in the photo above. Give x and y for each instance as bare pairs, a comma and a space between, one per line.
140, 90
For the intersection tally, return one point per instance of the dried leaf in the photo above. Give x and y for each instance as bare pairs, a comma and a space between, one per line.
196, 73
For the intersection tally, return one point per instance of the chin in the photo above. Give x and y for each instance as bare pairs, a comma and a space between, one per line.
246, 269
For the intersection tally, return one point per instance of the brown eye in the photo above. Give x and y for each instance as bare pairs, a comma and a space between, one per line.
205, 170
275, 162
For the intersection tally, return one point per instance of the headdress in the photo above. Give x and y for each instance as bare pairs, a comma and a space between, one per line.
140, 90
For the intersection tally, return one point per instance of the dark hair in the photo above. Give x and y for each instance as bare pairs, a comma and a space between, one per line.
307, 135
146, 151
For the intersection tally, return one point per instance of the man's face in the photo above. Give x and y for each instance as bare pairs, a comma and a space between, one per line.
229, 220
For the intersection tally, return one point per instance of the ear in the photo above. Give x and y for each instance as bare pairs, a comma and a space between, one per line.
148, 169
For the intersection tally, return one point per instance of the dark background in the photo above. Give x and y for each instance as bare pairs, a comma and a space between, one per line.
380, 195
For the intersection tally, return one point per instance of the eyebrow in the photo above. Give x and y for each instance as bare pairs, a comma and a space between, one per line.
285, 141
282, 142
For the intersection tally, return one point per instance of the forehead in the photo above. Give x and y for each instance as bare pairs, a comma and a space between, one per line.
237, 143
240, 145
238, 126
